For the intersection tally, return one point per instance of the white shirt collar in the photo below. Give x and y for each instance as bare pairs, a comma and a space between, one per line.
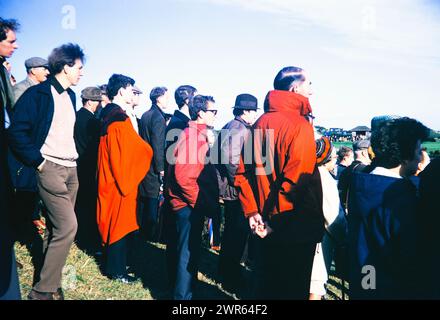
381, 171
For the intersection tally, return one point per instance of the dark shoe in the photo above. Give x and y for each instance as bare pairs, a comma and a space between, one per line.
59, 295
35, 295
124, 279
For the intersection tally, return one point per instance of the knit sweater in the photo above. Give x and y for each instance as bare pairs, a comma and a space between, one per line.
59, 146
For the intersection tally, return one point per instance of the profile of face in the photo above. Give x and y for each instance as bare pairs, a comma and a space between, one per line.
409, 167
424, 162
249, 116
8, 45
74, 73
40, 74
126, 94
105, 100
136, 98
330, 166
304, 87
208, 117
164, 101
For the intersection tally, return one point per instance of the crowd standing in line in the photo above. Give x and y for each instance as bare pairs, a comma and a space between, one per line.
292, 203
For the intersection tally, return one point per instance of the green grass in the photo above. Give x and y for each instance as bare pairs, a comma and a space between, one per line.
430, 146
83, 280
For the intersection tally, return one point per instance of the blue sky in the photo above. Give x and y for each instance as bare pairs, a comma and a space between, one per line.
364, 57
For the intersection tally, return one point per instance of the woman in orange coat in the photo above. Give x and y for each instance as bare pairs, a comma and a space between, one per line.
123, 161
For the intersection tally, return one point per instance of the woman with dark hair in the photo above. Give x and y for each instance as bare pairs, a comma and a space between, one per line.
382, 215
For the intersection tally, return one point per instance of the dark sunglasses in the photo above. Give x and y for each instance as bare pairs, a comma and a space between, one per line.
213, 111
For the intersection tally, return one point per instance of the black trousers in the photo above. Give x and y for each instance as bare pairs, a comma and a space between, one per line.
235, 235
283, 270
116, 258
148, 217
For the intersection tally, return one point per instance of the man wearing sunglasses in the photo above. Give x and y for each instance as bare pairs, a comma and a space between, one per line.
192, 193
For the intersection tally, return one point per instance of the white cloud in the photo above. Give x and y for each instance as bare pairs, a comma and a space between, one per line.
378, 30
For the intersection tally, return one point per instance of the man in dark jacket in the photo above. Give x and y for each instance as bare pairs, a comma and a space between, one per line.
152, 129
41, 138
279, 192
87, 134
192, 192
9, 285
236, 229
179, 121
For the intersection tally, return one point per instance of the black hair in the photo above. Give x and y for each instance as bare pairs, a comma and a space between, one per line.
184, 93
157, 92
343, 152
116, 82
6, 25
396, 140
288, 77
237, 112
64, 55
199, 103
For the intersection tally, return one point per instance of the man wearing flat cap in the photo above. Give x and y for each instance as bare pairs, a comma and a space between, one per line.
230, 143
86, 134
37, 72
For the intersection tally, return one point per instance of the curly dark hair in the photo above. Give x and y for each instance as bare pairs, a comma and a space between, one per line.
6, 25
66, 54
396, 140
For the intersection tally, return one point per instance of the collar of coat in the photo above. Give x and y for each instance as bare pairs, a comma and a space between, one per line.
156, 107
201, 128
110, 114
180, 115
286, 101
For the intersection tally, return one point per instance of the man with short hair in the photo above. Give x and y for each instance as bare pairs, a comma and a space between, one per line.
86, 135
9, 285
37, 72
152, 130
345, 158
236, 229
279, 192
360, 163
192, 192
41, 137
123, 161
179, 121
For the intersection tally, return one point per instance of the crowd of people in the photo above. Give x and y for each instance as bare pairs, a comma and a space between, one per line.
110, 181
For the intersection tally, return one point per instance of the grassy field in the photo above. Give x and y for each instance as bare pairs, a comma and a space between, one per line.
83, 280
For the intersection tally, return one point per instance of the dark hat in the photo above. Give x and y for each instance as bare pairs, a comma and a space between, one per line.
246, 102
35, 62
361, 144
324, 149
91, 93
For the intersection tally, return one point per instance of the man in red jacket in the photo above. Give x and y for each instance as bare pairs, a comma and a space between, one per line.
279, 189
192, 192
